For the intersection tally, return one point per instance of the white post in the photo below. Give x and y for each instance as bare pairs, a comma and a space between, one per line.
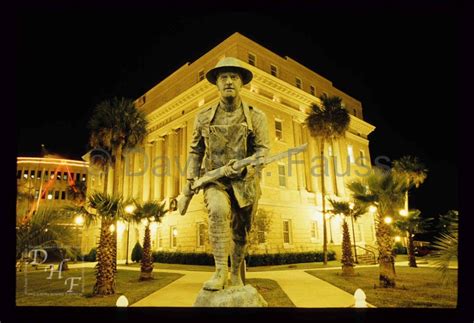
359, 297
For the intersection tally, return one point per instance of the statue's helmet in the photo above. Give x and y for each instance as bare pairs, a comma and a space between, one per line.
229, 64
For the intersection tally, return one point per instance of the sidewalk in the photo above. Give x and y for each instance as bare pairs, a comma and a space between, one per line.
303, 289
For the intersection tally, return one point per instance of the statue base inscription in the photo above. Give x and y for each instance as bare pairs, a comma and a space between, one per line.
246, 296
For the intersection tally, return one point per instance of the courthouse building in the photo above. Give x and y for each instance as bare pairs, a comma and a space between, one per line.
291, 195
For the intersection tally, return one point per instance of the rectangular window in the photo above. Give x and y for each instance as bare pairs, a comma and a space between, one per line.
38, 176
65, 177
18, 174
298, 83
52, 175
63, 195
286, 231
312, 90
350, 152
281, 175
160, 238
201, 75
278, 130
37, 192
273, 70
329, 151
25, 174
78, 176
58, 176
56, 195
362, 157
314, 230
43, 195
46, 174
252, 59
201, 234
50, 196
173, 236
32, 174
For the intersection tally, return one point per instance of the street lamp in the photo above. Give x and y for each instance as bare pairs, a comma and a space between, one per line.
403, 212
129, 209
388, 219
79, 221
351, 207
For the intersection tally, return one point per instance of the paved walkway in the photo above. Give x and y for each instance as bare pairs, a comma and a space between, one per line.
303, 289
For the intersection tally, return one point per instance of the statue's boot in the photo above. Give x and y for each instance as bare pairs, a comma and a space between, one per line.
219, 241
237, 257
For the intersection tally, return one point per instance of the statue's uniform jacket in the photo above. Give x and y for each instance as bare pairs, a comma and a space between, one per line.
218, 137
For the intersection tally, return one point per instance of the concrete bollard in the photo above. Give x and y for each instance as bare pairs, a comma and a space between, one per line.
359, 298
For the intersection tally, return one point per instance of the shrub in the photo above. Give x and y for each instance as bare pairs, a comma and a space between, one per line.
266, 259
137, 252
399, 249
91, 256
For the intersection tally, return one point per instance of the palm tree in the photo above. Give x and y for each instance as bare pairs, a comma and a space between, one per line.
386, 190
346, 210
78, 191
45, 228
147, 213
326, 122
117, 125
107, 209
412, 223
413, 170
447, 245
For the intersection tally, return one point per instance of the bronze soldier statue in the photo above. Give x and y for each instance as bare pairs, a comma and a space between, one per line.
229, 131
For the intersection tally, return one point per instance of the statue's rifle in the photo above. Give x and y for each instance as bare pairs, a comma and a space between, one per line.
189, 190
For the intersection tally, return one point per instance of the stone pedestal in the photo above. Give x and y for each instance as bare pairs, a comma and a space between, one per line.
246, 296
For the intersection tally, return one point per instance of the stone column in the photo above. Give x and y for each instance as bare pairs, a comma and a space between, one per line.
171, 179
159, 169
299, 167
147, 172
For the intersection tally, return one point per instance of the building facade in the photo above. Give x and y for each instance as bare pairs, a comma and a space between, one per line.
291, 195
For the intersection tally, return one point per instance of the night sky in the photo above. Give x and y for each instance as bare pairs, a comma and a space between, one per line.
401, 64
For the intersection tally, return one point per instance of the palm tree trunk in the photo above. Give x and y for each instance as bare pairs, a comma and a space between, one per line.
147, 258
323, 194
346, 259
105, 278
115, 192
386, 258
411, 250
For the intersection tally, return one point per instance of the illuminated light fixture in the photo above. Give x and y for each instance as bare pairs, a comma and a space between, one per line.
398, 238
46, 230
130, 208
112, 228
120, 227
372, 209
388, 219
79, 220
122, 301
50, 196
175, 232
403, 212
351, 205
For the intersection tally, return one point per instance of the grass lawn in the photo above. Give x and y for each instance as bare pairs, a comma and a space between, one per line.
416, 287
271, 292
43, 292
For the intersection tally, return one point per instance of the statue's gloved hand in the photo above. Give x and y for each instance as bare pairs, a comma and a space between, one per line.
259, 164
188, 188
229, 171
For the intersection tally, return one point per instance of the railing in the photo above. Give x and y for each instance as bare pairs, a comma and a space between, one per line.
369, 251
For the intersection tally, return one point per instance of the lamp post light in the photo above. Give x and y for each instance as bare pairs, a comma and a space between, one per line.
129, 209
78, 221
351, 207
